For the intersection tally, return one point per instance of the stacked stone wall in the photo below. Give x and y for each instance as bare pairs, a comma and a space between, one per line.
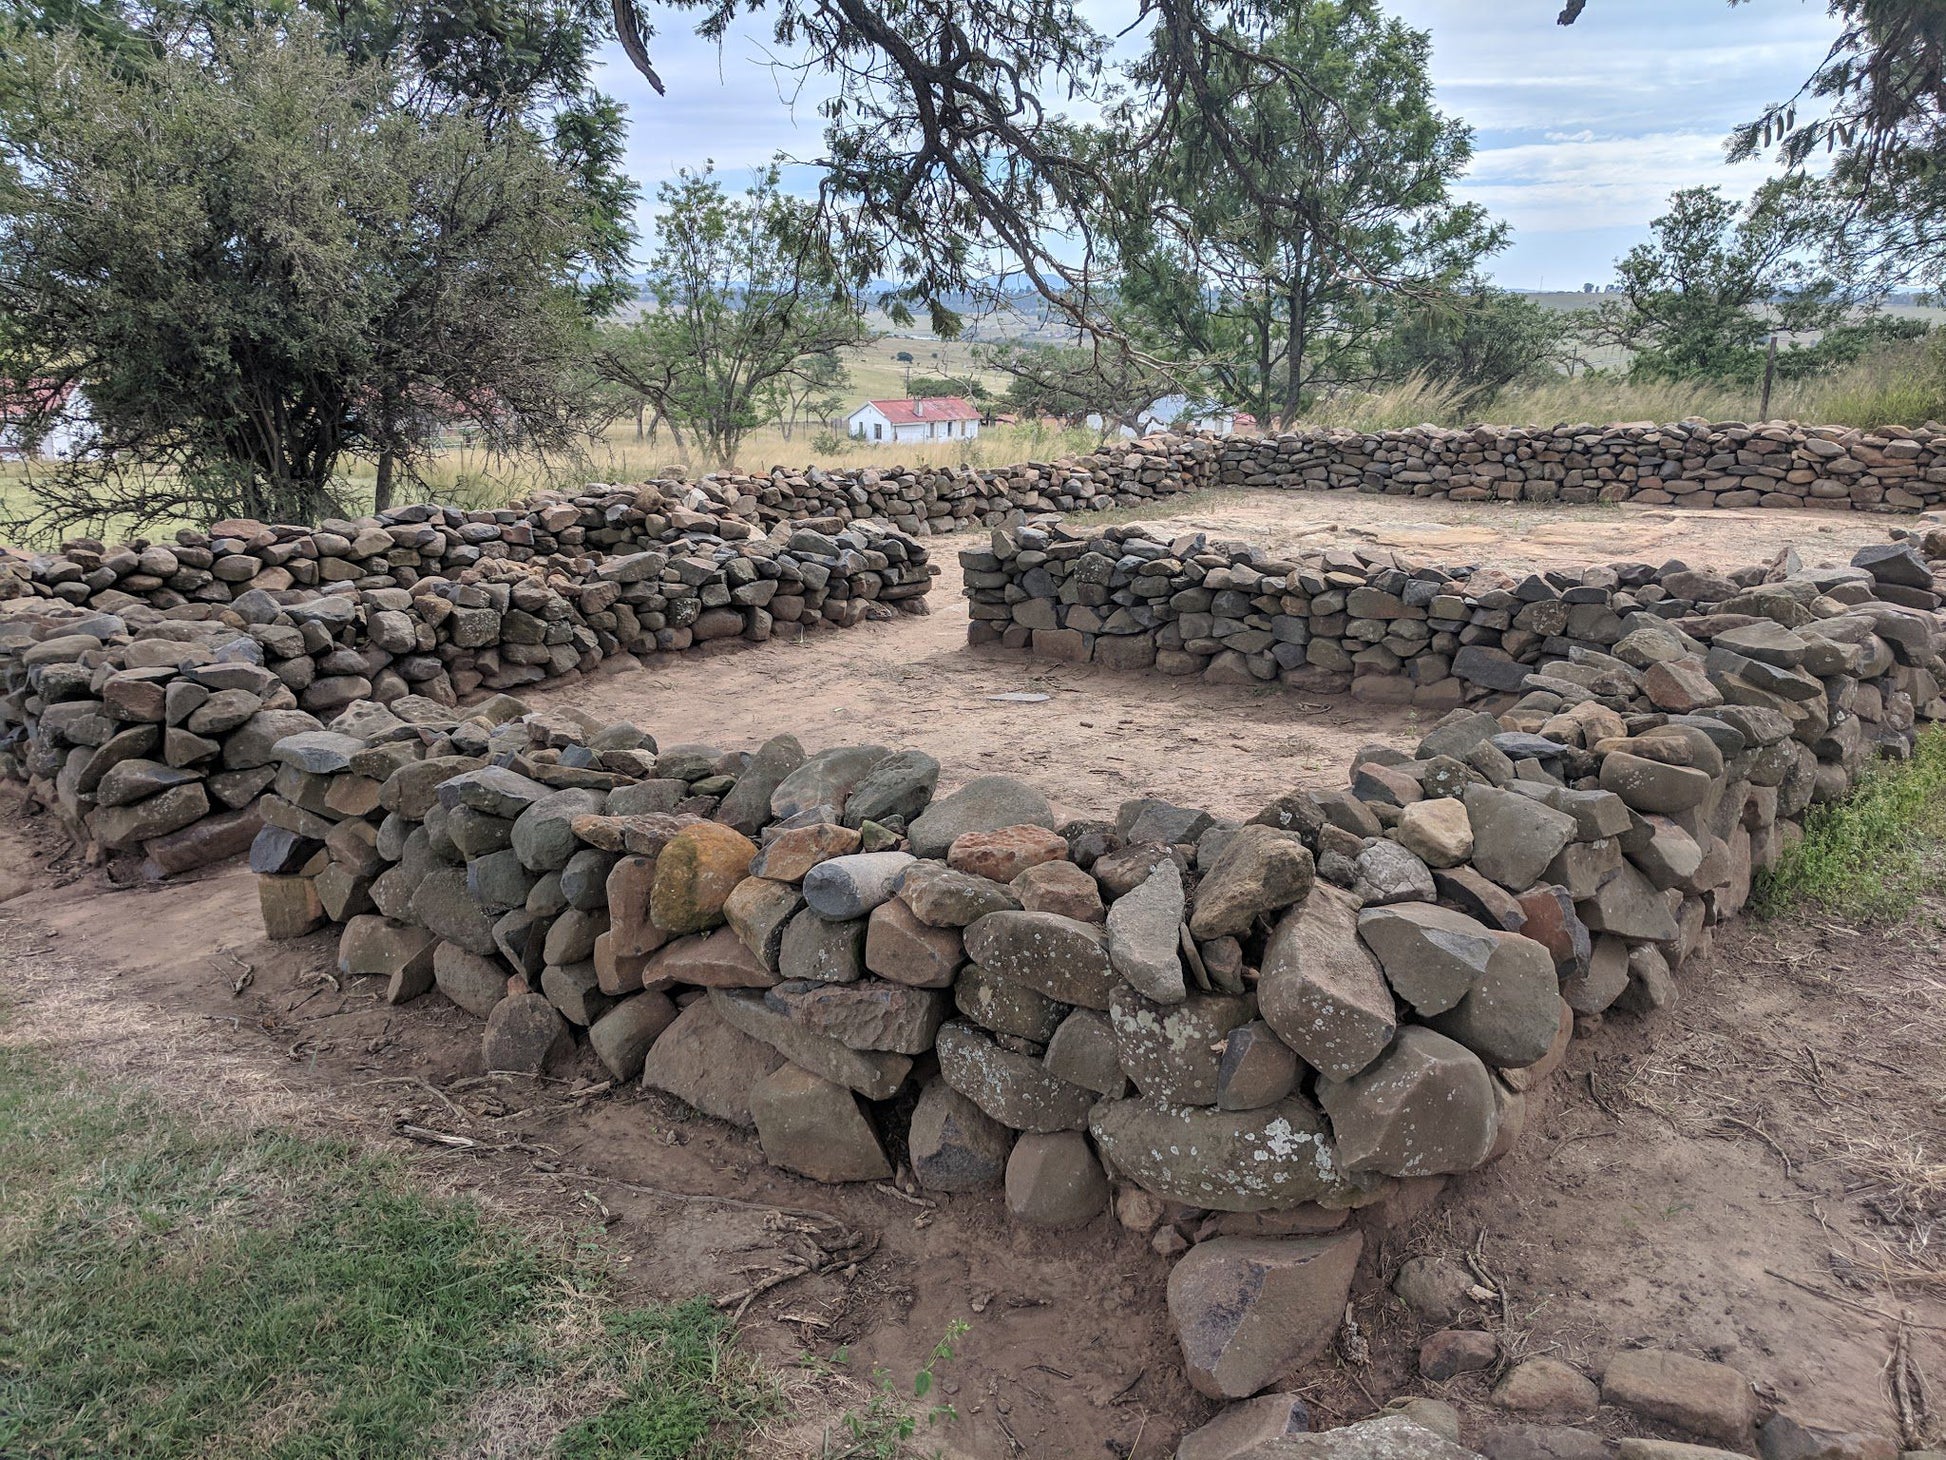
143, 684
1248, 1037
1391, 628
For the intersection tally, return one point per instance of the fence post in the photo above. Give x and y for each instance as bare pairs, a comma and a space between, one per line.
1770, 373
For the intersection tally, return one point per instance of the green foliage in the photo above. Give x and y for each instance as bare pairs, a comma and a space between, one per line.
500, 62
932, 387
1871, 856
257, 261
882, 1429
178, 1287
749, 304
1701, 297
1302, 198
1472, 345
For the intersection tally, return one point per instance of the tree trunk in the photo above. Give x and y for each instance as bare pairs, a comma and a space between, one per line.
641, 409
382, 490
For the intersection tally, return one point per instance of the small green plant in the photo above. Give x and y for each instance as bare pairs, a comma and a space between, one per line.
881, 1429
1873, 855
830, 443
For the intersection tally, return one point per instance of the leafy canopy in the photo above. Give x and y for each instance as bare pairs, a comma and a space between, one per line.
1296, 195
748, 302
259, 262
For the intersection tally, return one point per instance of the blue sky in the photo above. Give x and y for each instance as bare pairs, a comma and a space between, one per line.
1581, 131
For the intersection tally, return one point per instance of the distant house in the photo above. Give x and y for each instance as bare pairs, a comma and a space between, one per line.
60, 440
935, 418
1180, 413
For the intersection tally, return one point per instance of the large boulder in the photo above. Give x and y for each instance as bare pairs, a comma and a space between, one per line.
1259, 871
815, 1128
1063, 958
985, 803
1514, 836
1424, 1108
1054, 1180
1510, 1014
1015, 1089
1145, 935
705, 1062
1432, 956
1247, 1311
875, 1074
953, 1144
1174, 1052
873, 1013
1320, 991
1269, 1159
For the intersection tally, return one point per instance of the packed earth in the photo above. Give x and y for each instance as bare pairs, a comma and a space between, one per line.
1024, 956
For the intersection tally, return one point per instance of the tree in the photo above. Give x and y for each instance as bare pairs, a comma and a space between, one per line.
816, 392
748, 302
1300, 201
1073, 382
1699, 299
931, 387
1473, 344
255, 264
502, 63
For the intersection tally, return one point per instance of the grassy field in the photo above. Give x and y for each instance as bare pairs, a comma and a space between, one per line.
179, 1286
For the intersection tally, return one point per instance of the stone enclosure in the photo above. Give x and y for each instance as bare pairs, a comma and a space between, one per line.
1238, 1034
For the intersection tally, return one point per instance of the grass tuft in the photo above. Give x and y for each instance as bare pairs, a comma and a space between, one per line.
177, 1286
1872, 856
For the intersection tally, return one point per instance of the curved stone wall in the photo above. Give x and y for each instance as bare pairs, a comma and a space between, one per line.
1260, 1027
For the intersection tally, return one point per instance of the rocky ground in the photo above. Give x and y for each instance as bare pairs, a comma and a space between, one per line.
1750, 1179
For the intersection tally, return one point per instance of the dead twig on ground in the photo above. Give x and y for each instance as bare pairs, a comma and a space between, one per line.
1830, 1297
1763, 1135
1909, 1388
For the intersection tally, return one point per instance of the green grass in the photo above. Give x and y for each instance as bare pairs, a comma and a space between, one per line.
175, 1285
1872, 856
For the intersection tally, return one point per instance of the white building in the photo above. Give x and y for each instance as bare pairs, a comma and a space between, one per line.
936, 418
1179, 412
68, 434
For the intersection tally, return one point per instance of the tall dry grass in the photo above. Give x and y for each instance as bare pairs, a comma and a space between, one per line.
1900, 385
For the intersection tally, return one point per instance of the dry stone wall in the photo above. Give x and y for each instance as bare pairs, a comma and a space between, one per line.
1391, 628
1241, 1035
143, 685
1691, 463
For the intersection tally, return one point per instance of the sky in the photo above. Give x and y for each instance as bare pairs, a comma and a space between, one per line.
1581, 132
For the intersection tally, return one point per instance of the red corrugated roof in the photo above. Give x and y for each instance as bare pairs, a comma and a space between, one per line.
931, 408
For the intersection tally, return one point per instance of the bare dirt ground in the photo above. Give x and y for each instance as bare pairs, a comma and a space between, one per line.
1756, 1175
1517, 535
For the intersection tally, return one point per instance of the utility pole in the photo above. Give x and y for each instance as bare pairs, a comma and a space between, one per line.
1770, 373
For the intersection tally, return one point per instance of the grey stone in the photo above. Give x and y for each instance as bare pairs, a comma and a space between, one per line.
1432, 956
1424, 1108
1145, 935
1248, 1311
985, 803
1270, 1159
955, 1145
850, 887
1514, 837
1259, 871
1320, 991
1063, 958
1015, 1089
